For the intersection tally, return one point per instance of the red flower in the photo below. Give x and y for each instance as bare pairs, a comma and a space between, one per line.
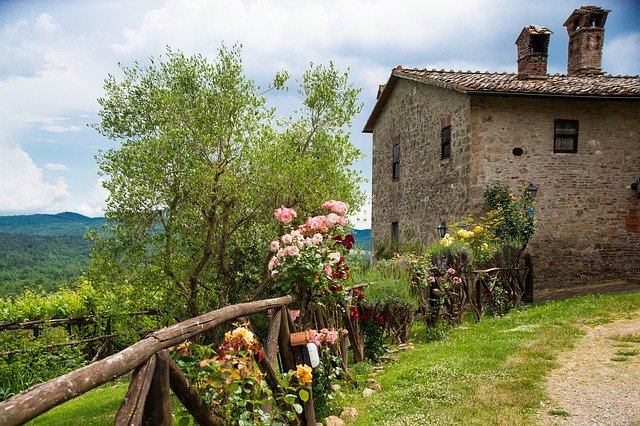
354, 313
348, 241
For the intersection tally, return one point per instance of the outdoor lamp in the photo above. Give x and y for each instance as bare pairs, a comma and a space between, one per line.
635, 186
442, 229
530, 191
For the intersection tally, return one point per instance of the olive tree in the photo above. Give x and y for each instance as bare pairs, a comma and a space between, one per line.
202, 162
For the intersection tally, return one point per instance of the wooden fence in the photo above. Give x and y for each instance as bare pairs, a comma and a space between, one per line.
154, 373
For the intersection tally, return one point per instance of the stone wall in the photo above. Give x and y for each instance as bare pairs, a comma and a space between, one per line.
430, 189
586, 210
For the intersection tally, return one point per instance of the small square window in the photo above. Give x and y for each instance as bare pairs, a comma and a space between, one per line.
565, 136
396, 162
445, 148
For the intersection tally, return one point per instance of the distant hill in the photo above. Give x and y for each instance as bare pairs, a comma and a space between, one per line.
43, 251
60, 224
363, 238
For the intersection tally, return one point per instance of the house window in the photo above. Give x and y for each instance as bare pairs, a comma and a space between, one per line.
396, 162
565, 136
445, 148
395, 232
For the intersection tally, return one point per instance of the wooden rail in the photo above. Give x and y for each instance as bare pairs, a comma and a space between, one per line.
141, 356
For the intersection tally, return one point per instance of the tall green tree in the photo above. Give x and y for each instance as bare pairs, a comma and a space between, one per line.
202, 164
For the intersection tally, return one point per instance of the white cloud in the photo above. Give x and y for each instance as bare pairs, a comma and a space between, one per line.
22, 187
621, 56
60, 129
97, 204
55, 166
46, 24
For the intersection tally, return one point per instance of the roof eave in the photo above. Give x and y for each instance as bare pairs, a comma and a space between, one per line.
380, 103
553, 95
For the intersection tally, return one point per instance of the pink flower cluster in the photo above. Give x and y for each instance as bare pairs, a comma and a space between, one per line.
339, 207
308, 235
284, 214
329, 335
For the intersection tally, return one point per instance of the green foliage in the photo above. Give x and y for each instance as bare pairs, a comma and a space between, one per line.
37, 364
202, 165
230, 382
510, 219
34, 262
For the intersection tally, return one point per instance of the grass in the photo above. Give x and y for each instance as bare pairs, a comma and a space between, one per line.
490, 372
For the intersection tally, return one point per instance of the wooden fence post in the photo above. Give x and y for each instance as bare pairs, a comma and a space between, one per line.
132, 408
528, 279
157, 407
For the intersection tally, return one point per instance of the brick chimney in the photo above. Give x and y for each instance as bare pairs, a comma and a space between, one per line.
586, 35
532, 44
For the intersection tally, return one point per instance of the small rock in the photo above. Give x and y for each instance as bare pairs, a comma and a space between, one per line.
333, 421
373, 384
367, 392
349, 414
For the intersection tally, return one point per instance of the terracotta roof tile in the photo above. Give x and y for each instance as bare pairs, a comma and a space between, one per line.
598, 85
606, 86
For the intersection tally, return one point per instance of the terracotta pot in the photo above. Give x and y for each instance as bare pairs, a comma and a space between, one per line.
301, 338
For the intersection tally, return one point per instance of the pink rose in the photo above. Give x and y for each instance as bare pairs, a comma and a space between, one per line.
329, 271
330, 336
431, 279
273, 262
287, 239
339, 207
316, 337
291, 251
284, 214
457, 280
451, 271
335, 256
275, 245
293, 313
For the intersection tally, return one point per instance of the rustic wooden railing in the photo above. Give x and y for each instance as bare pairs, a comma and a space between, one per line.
147, 400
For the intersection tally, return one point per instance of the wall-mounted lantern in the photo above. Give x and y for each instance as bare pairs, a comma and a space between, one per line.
442, 229
635, 186
530, 191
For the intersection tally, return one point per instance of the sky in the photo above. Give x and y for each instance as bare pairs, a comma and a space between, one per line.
55, 55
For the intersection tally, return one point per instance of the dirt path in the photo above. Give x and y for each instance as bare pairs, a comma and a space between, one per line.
597, 382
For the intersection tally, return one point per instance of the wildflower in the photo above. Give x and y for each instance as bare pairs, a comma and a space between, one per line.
303, 374
451, 271
284, 214
457, 280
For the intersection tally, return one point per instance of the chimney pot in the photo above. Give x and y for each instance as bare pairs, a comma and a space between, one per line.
533, 45
585, 27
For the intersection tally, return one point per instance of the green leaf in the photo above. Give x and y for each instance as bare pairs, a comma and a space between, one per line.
304, 395
298, 408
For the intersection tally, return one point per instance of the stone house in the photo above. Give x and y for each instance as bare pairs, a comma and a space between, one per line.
441, 137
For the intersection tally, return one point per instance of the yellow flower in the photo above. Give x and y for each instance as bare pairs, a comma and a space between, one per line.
477, 229
447, 240
303, 373
241, 333
484, 246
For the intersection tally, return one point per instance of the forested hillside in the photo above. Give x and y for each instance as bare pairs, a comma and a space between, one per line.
66, 223
43, 251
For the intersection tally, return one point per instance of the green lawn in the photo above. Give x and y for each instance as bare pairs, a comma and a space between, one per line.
483, 373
